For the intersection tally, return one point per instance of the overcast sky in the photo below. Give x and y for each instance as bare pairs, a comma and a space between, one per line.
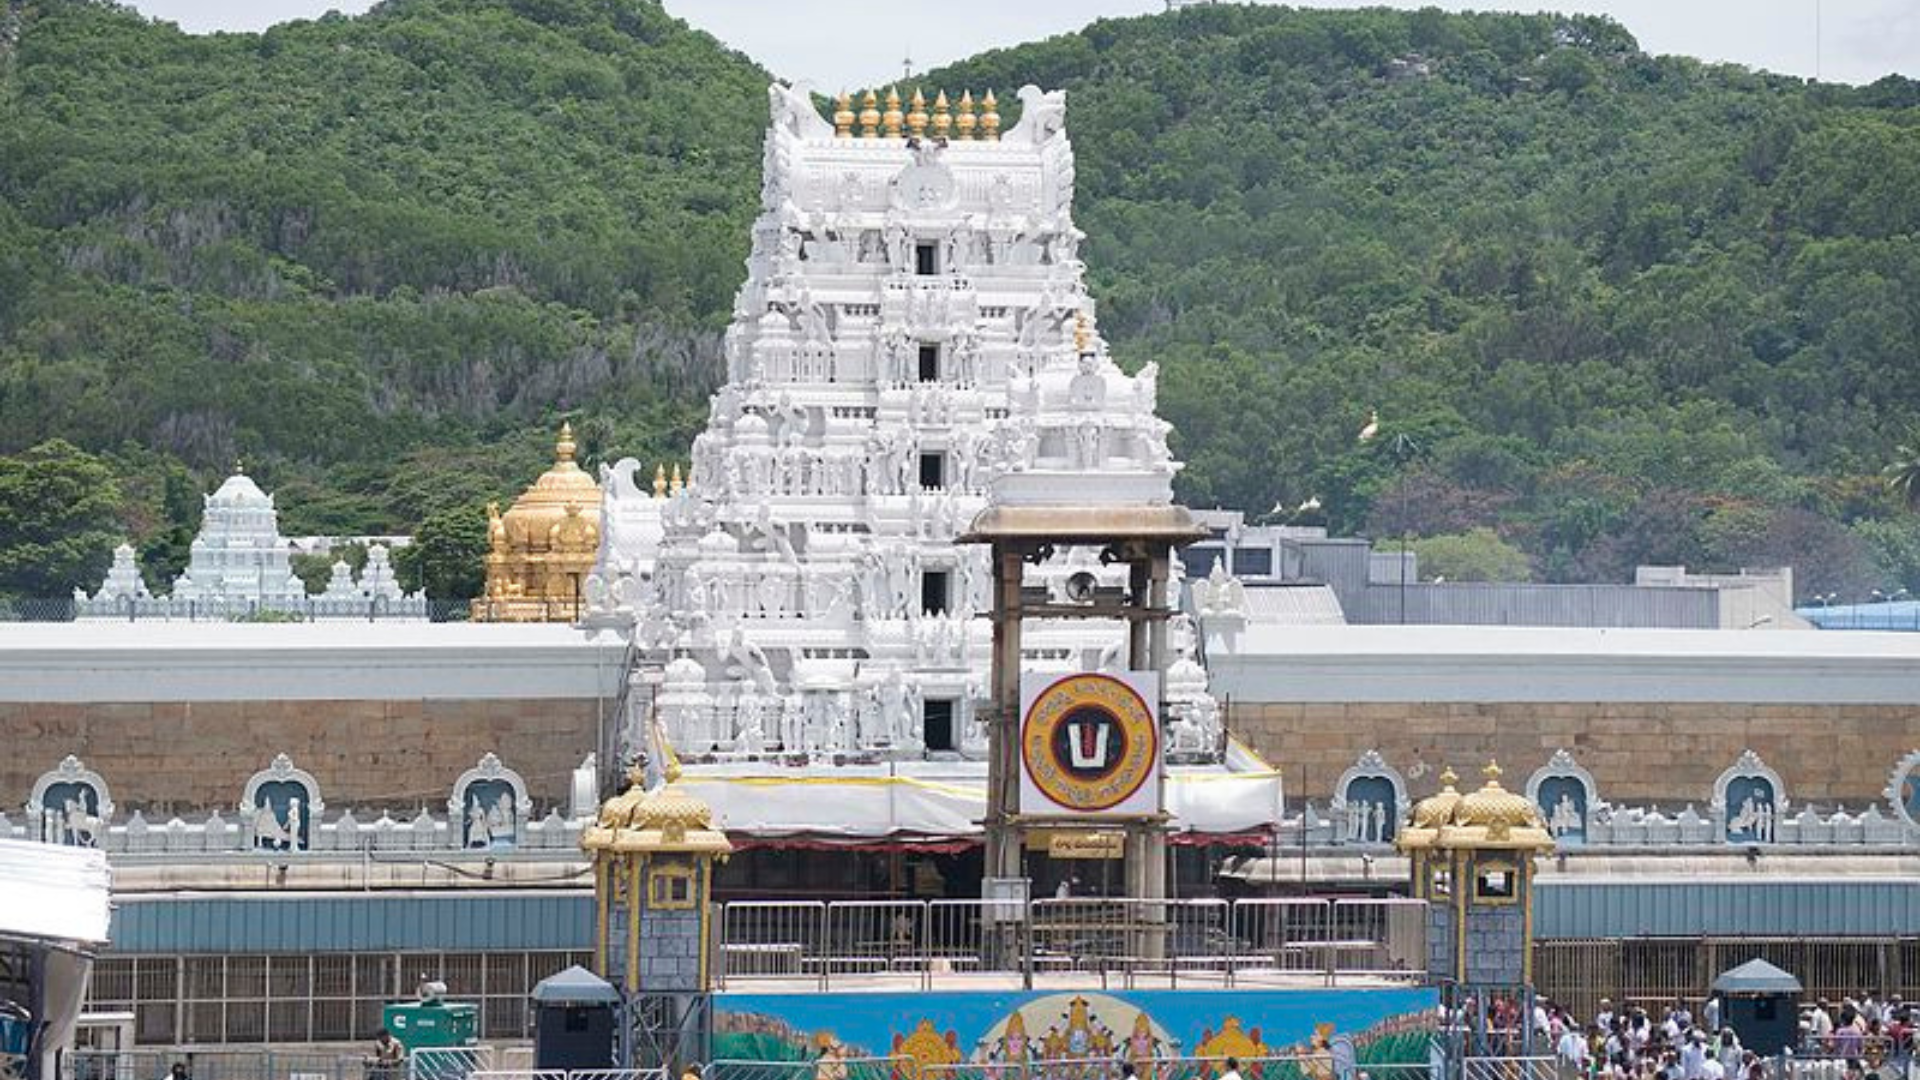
841, 43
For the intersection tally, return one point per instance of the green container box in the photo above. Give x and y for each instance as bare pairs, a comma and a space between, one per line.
421, 1025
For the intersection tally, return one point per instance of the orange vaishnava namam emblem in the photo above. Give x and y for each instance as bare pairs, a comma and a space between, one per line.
1089, 742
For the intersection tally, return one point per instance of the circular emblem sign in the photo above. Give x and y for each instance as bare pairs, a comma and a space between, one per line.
1089, 742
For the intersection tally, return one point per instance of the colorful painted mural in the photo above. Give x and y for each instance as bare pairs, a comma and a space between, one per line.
1330, 1031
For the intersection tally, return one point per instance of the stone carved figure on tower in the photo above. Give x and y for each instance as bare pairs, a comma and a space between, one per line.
1043, 115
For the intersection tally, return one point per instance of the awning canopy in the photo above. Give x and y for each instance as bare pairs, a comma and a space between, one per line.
54, 893
1756, 976
943, 803
575, 986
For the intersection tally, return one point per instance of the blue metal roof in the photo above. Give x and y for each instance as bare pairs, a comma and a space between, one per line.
1887, 615
354, 922
456, 921
1723, 908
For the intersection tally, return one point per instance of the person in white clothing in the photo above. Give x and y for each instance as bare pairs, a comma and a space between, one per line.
1713, 1069
1693, 1058
1233, 1070
1573, 1049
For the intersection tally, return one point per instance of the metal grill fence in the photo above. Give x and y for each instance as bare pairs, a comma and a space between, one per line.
1653, 972
449, 1063
65, 609
254, 1064
913, 944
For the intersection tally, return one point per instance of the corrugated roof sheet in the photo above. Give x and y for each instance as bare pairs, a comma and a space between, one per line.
1695, 907
1294, 605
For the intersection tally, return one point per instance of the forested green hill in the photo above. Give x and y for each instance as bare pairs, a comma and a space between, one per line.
1618, 308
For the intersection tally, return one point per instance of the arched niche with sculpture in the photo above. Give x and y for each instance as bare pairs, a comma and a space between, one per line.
1749, 800
280, 807
1565, 793
489, 806
1368, 801
69, 805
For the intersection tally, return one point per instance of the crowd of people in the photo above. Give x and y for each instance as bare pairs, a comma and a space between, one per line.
1866, 1039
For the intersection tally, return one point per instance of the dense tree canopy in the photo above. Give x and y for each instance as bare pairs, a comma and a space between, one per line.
1625, 308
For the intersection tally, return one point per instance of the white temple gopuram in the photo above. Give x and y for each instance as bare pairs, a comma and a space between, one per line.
914, 332
240, 566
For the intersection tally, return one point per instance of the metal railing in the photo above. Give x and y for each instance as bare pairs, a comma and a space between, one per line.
221, 1064
569, 1074
821, 1068
912, 944
309, 609
1509, 1068
449, 1063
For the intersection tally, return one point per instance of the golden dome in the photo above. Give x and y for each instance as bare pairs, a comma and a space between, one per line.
540, 517
1436, 810
672, 810
1496, 808
544, 546
669, 819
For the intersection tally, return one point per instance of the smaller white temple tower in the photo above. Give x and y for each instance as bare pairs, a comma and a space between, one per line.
240, 556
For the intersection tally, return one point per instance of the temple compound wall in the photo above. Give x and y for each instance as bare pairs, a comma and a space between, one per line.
1638, 751
1654, 715
385, 716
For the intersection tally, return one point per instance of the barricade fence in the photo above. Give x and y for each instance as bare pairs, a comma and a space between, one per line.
569, 1074
449, 1063
913, 943
217, 1064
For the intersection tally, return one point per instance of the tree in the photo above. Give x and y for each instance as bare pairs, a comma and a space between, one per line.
1903, 475
1475, 555
60, 507
448, 555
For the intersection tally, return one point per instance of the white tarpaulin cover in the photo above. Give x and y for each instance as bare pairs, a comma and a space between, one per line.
948, 799
55, 893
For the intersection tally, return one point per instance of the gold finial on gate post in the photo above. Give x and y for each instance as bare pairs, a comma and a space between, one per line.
890, 120
843, 116
870, 116
917, 117
942, 120
964, 123
989, 117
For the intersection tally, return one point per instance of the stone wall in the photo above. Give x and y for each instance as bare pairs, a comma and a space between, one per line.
180, 757
1639, 753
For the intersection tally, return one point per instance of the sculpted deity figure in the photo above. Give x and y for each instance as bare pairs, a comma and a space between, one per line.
752, 736
892, 699
479, 835
792, 723
1087, 390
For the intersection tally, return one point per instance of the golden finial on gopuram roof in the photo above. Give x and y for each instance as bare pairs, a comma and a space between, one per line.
942, 119
678, 483
659, 481
843, 116
989, 117
870, 116
1082, 334
890, 120
917, 115
966, 121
